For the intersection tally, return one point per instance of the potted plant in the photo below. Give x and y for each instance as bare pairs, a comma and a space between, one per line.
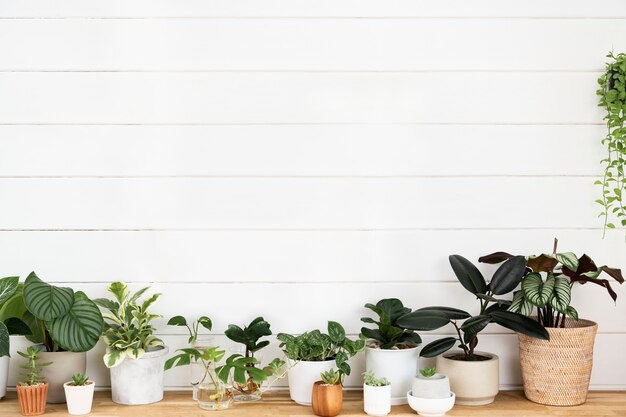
32, 390
313, 353
391, 349
546, 295
134, 355
327, 394
430, 393
474, 375
376, 395
612, 93
248, 386
9, 325
63, 322
79, 394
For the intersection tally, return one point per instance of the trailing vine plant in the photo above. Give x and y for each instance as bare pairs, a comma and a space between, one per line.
612, 93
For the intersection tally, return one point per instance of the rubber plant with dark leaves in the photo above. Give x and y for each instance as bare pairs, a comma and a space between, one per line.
548, 280
492, 309
248, 377
59, 318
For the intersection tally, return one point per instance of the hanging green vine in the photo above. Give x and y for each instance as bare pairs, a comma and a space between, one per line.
612, 93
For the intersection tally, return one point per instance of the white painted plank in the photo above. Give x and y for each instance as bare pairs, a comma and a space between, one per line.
607, 372
281, 256
296, 150
309, 44
302, 203
227, 98
310, 8
316, 303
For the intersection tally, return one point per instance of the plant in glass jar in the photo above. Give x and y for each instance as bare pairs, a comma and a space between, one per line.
192, 328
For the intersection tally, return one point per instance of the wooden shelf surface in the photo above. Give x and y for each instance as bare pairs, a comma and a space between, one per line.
508, 404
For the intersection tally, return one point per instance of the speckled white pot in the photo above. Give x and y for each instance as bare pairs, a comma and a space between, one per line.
303, 375
377, 400
4, 375
139, 381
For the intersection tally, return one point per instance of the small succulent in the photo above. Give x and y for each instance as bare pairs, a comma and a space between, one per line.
32, 375
369, 378
79, 379
428, 372
331, 377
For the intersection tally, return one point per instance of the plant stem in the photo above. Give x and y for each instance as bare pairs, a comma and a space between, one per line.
463, 345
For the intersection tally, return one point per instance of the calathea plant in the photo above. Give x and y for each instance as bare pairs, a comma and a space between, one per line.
58, 317
128, 332
612, 93
318, 346
389, 334
492, 309
10, 289
549, 295
248, 382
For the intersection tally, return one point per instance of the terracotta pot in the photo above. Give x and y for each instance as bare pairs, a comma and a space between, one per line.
327, 400
473, 382
557, 371
32, 399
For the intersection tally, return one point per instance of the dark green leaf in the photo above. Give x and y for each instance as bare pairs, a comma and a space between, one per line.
451, 313
508, 276
468, 275
438, 347
423, 320
476, 324
521, 324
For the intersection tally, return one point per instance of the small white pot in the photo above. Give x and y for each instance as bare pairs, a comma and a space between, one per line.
139, 381
79, 398
377, 400
437, 386
399, 367
473, 382
4, 375
302, 376
431, 407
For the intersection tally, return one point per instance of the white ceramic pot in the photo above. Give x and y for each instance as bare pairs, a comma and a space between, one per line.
4, 375
79, 398
437, 386
302, 376
139, 381
377, 400
431, 407
399, 367
63, 366
473, 382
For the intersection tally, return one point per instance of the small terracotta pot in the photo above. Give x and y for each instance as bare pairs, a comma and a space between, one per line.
327, 400
32, 399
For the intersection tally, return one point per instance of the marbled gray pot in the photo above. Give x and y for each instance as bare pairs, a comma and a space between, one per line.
139, 381
63, 366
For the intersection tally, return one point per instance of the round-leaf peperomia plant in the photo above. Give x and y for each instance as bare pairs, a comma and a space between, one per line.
317, 346
492, 309
128, 332
547, 283
612, 93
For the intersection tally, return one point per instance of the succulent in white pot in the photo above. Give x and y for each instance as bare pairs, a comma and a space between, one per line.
135, 356
376, 395
79, 394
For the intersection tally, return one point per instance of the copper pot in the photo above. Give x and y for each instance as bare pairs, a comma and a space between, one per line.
32, 398
327, 400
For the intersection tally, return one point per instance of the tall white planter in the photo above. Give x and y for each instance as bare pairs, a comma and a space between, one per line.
399, 367
139, 381
377, 400
302, 376
79, 398
4, 375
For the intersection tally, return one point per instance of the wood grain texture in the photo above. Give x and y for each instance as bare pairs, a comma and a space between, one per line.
179, 404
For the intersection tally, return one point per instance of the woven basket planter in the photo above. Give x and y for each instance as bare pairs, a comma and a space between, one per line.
32, 399
557, 371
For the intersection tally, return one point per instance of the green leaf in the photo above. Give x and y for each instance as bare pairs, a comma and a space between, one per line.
149, 301
80, 328
8, 286
536, 291
4, 340
476, 324
571, 312
17, 326
46, 301
438, 347
449, 312
508, 276
423, 320
519, 323
336, 332
520, 304
177, 321
113, 357
568, 260
562, 295
205, 322
468, 275
119, 290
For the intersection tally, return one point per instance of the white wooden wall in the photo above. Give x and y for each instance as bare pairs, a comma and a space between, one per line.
299, 158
